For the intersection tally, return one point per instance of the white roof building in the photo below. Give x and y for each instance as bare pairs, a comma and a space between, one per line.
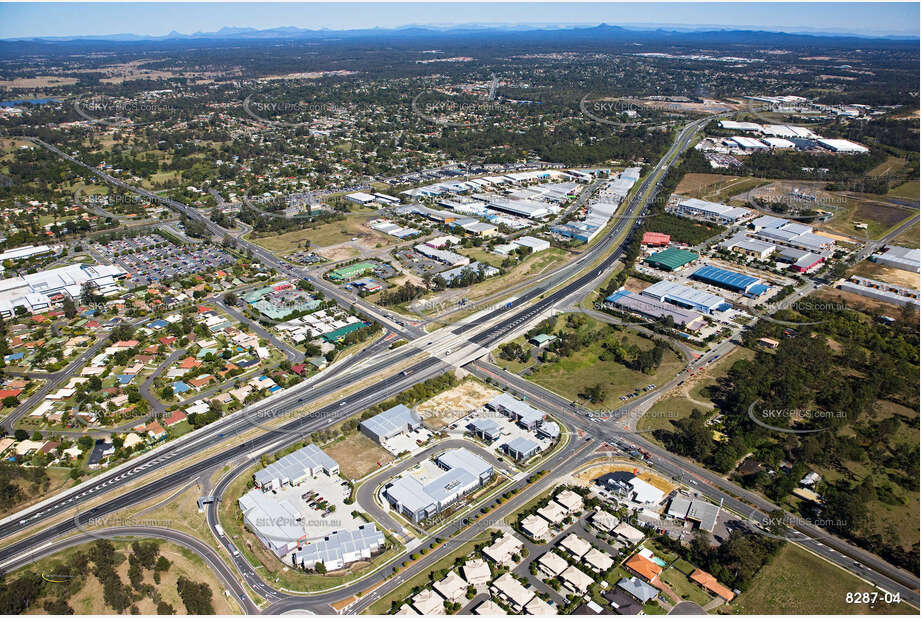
429, 602
575, 545
509, 590
575, 580
476, 572
536, 527
452, 587
552, 564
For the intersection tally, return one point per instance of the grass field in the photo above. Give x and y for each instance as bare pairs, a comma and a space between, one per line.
570, 376
798, 582
323, 235
89, 599
683, 587
891, 166
694, 393
358, 455
909, 190
910, 237
716, 187
879, 217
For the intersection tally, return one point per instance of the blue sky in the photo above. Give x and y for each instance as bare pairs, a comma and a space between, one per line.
55, 19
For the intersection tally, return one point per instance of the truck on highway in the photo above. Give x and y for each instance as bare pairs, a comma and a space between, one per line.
219, 529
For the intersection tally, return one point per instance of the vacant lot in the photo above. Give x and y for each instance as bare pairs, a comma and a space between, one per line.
357, 455
889, 275
716, 187
879, 217
796, 582
89, 599
445, 408
695, 392
353, 226
572, 375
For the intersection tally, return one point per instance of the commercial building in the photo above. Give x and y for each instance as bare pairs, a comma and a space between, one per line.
485, 271
351, 271
671, 259
441, 255
790, 234
656, 310
24, 252
655, 239
711, 211
684, 296
754, 248
843, 146
295, 468
342, 547
274, 521
521, 449
902, 258
535, 244
704, 513
799, 260
478, 228
525, 415
880, 290
577, 230
463, 473
360, 198
728, 280
521, 208
37, 292
486, 429
389, 423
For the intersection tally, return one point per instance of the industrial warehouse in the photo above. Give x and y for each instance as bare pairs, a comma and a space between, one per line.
694, 208
671, 259
300, 498
729, 280
685, 296
436, 484
656, 310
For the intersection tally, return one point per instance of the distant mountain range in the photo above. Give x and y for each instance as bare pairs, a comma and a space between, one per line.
521, 32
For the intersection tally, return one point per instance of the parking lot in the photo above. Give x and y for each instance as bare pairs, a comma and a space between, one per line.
151, 258
420, 265
321, 504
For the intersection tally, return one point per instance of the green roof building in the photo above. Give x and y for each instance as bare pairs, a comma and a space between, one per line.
671, 259
347, 273
339, 333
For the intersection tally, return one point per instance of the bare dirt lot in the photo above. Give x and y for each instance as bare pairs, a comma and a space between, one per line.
445, 408
357, 455
857, 301
889, 275
636, 285
653, 479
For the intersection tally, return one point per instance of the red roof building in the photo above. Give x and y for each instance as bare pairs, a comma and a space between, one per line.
176, 417
655, 239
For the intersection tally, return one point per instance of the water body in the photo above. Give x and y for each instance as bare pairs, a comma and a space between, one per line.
23, 101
